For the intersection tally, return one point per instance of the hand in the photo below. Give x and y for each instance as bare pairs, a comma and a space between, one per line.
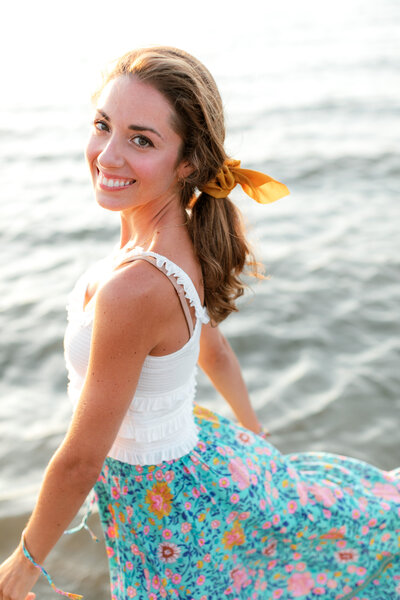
17, 577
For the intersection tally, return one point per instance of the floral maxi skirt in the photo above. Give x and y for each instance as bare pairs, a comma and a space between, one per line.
235, 519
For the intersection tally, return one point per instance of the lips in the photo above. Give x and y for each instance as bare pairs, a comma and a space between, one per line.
113, 183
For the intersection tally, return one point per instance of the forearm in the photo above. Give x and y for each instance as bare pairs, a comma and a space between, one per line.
65, 487
224, 371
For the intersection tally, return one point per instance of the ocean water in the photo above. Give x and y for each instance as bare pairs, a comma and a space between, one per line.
311, 98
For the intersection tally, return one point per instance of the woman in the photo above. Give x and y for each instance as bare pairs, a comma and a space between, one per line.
192, 505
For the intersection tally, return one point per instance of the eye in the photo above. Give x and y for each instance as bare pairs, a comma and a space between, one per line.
101, 125
141, 141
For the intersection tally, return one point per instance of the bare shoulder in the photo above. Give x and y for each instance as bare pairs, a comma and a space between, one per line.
136, 298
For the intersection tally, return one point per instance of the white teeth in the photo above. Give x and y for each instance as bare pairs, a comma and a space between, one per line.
114, 183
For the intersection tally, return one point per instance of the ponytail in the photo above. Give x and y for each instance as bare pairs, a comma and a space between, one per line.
217, 231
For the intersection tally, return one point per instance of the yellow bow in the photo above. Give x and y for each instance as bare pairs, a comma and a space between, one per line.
260, 187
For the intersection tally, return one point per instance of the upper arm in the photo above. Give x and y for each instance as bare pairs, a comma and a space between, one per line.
213, 346
124, 332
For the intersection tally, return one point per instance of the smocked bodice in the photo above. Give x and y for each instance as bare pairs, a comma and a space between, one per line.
159, 423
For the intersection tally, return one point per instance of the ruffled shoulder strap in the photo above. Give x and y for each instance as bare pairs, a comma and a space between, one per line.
171, 268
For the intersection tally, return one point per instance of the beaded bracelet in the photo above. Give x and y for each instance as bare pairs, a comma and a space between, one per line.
45, 573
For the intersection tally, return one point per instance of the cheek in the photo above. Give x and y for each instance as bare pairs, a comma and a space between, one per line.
92, 150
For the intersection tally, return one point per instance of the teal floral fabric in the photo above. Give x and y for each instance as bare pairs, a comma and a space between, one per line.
235, 519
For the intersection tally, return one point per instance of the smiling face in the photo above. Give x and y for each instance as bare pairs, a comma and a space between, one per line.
133, 151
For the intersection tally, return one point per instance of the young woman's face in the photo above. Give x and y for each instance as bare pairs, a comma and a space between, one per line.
133, 150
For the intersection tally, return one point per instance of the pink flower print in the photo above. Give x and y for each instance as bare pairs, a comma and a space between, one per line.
323, 494
167, 534
201, 446
152, 596
245, 438
115, 492
169, 476
224, 482
186, 527
159, 475
276, 519
168, 552
364, 529
300, 566
300, 584
239, 473
243, 516
272, 564
292, 506
129, 566
289, 568
277, 594
195, 492
176, 578
139, 469
253, 479
215, 524
200, 580
201, 541
386, 491
110, 551
321, 578
149, 476
356, 513
235, 498
240, 578
232, 516
297, 556
332, 584
138, 478
270, 548
207, 557
146, 529
188, 505
345, 556
111, 531
131, 592
319, 591
263, 504
156, 582
135, 549
273, 466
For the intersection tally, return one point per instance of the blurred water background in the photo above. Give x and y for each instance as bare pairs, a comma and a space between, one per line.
311, 93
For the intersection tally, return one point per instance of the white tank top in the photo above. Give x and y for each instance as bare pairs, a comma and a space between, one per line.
159, 424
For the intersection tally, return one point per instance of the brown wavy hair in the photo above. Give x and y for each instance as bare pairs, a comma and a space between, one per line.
215, 225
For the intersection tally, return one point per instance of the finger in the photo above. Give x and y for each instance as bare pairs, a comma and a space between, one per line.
30, 596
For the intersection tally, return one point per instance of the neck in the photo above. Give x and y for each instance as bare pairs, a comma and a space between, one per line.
141, 225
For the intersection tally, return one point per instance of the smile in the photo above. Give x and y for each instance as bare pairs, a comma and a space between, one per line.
110, 183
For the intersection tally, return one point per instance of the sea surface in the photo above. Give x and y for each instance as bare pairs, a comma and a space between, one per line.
311, 98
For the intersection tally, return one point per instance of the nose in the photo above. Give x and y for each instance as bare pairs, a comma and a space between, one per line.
111, 155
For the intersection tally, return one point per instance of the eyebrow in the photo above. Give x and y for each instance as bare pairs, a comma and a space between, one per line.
132, 127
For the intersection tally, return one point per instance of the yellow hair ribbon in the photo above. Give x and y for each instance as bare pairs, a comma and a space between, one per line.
260, 187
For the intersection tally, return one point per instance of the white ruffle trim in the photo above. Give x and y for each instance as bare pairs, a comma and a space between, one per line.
135, 455
156, 427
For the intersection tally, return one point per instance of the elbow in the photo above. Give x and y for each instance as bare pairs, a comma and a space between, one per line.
216, 356
79, 470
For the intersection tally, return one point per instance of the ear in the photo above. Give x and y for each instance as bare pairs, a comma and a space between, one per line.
185, 168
